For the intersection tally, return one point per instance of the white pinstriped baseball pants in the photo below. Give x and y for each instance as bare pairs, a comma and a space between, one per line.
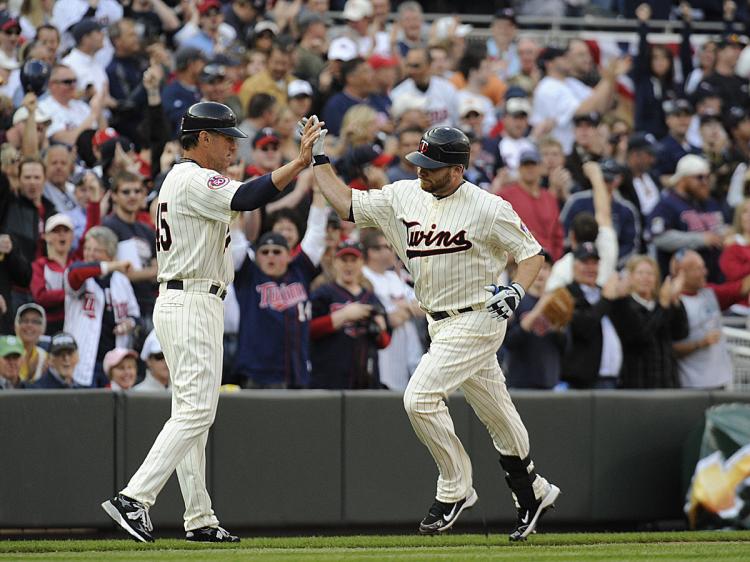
463, 355
189, 326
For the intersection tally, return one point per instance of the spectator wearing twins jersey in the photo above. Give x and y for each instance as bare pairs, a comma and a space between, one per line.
136, 239
687, 217
442, 101
348, 326
100, 306
272, 289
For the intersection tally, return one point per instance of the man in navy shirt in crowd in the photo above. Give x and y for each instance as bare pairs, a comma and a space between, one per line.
183, 91
675, 145
63, 358
687, 217
357, 77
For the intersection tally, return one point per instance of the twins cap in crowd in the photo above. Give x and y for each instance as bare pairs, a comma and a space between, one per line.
115, 356
592, 117
349, 249
467, 104
24, 308
10, 345
343, 49
102, 136
355, 10
59, 219
518, 105
40, 115
266, 25
680, 106
272, 239
151, 346
690, 165
551, 53
586, 251
207, 5
381, 61
84, 27
8, 22
62, 341
506, 14
704, 90
610, 169
299, 88
642, 141
530, 155
735, 116
213, 72
710, 118
265, 136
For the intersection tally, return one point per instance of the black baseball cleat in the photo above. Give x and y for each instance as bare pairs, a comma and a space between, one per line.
211, 534
131, 515
528, 518
442, 516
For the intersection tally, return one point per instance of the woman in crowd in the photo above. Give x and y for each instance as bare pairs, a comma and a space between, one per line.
735, 258
30, 325
648, 320
654, 77
121, 367
286, 123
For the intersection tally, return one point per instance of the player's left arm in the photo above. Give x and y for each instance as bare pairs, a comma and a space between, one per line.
511, 234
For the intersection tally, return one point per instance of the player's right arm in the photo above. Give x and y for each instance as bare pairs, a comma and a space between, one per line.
372, 208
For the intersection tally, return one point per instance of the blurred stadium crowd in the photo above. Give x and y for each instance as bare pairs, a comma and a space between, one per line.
627, 160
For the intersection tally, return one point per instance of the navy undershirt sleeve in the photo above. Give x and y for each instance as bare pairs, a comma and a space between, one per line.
254, 194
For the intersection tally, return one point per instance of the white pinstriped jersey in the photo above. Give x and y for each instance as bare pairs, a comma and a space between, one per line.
453, 246
192, 223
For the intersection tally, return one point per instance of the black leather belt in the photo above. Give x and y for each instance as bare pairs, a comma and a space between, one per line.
443, 315
215, 289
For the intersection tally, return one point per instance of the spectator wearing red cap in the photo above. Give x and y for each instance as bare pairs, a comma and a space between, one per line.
384, 78
47, 271
121, 367
10, 34
211, 36
348, 327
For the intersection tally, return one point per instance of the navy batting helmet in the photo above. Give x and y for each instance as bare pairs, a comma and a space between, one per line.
211, 116
441, 147
34, 76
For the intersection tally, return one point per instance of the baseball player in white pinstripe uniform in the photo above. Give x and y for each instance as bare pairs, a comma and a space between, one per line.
196, 205
455, 239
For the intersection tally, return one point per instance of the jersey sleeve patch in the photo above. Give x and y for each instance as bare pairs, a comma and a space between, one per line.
217, 182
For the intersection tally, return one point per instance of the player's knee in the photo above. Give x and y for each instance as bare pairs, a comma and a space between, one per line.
420, 403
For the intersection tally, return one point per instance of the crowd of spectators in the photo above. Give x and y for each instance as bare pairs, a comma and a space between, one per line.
627, 161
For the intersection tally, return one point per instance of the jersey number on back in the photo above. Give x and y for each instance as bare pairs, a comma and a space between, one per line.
163, 234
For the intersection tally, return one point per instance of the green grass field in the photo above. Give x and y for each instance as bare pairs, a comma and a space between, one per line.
709, 546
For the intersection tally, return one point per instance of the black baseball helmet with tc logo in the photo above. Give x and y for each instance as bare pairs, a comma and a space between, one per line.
441, 147
211, 116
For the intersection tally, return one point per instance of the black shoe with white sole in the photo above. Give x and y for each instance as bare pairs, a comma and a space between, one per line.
529, 517
442, 516
211, 534
131, 515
